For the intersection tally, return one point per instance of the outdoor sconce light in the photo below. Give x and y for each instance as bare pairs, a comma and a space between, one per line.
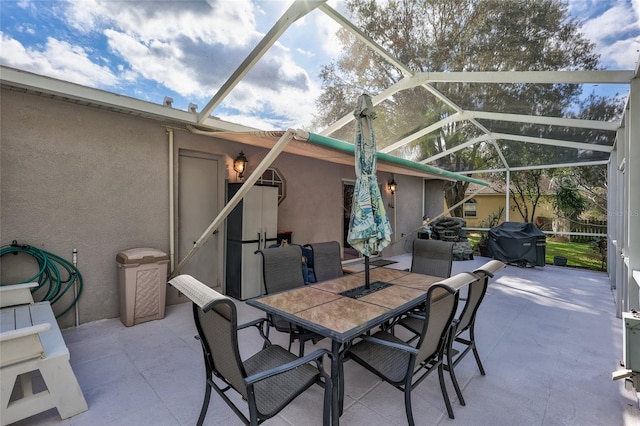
392, 186
240, 164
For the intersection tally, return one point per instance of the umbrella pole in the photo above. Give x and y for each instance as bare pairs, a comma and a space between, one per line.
366, 273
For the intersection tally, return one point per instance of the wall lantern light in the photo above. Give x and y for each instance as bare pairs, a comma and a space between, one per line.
392, 186
240, 164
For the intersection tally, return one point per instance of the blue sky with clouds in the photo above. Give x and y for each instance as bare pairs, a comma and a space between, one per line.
187, 49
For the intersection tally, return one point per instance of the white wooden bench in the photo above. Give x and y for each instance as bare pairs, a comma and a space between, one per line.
31, 343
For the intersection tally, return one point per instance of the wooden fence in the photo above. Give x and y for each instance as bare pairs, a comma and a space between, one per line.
588, 227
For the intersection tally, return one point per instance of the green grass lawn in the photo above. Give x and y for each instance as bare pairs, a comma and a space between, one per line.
581, 255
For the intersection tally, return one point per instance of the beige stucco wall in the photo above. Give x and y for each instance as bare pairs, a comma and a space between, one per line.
75, 177
97, 181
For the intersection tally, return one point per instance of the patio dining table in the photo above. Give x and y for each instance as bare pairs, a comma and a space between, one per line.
322, 309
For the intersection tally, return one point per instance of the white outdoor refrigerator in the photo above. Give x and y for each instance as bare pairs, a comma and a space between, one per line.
252, 225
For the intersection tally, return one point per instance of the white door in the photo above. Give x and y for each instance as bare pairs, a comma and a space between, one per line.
197, 207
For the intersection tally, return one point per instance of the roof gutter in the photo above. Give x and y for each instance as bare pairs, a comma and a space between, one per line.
381, 156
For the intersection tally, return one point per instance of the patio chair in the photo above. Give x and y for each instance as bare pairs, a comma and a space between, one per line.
282, 270
405, 366
325, 260
466, 321
432, 257
268, 380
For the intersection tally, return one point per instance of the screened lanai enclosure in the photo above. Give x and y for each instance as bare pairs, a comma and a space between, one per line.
540, 100
466, 91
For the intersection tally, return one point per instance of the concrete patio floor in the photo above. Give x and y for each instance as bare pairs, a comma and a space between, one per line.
548, 338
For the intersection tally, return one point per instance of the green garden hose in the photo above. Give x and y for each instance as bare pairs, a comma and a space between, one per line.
49, 276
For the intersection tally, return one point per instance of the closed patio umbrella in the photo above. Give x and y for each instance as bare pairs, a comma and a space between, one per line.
369, 228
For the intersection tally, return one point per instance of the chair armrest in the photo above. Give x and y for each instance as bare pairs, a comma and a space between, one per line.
252, 323
389, 344
24, 331
16, 294
250, 380
416, 316
259, 324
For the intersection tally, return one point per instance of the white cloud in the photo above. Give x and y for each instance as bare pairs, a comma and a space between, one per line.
57, 59
326, 35
616, 33
192, 49
624, 53
230, 23
293, 105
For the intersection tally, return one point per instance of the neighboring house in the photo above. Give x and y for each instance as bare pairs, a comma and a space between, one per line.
489, 201
93, 171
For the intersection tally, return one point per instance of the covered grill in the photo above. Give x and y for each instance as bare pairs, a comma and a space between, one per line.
518, 243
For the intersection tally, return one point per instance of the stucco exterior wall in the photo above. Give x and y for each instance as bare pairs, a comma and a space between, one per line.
76, 177
313, 207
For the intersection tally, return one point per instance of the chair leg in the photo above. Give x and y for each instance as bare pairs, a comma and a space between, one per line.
301, 349
264, 345
472, 338
452, 374
207, 391
205, 404
444, 391
328, 394
407, 404
290, 342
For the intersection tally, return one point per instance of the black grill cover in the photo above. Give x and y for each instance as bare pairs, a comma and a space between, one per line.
517, 243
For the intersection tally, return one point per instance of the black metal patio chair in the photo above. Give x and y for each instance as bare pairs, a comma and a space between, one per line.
466, 322
403, 365
327, 262
268, 380
282, 270
432, 257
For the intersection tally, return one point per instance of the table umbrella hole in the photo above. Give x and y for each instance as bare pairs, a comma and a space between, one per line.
358, 292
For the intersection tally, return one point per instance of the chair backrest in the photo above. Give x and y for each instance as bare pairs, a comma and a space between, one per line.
327, 262
441, 305
477, 291
216, 320
432, 257
490, 268
282, 268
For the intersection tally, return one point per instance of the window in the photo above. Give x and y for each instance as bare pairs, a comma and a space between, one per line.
272, 176
470, 208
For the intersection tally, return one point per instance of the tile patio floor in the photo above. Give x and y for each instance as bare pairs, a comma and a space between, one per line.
548, 338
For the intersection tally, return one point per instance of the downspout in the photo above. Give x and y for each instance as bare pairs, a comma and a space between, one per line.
171, 203
74, 260
507, 193
395, 218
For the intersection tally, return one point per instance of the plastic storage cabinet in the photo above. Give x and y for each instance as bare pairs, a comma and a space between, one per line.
142, 276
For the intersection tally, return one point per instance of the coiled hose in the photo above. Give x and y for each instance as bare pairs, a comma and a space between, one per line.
49, 276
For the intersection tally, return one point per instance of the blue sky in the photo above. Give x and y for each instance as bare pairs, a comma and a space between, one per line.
187, 49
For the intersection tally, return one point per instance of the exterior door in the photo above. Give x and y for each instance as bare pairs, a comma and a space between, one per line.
347, 202
198, 178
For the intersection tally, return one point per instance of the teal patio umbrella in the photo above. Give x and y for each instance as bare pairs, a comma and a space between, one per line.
369, 228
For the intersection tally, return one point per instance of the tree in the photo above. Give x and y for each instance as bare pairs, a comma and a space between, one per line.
568, 202
525, 189
591, 181
454, 35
